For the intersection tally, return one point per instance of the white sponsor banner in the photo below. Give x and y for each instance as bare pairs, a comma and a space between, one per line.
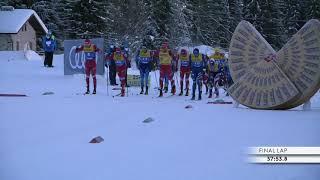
74, 62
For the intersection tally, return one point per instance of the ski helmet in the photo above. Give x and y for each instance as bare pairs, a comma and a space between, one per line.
118, 50
196, 51
164, 45
183, 51
87, 42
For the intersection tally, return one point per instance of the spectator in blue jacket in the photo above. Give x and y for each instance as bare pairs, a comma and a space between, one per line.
49, 46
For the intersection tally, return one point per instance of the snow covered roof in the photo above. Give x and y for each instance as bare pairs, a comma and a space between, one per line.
12, 21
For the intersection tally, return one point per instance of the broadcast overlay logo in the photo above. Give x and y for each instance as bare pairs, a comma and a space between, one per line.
284, 155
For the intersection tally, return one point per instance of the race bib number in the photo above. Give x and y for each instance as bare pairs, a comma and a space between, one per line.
90, 55
184, 63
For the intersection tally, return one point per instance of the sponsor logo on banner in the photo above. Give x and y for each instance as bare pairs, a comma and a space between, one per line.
77, 60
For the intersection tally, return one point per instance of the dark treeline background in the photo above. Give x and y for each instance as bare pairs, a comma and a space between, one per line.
181, 22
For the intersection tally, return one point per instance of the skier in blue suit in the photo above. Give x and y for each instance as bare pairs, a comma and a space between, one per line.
144, 61
198, 62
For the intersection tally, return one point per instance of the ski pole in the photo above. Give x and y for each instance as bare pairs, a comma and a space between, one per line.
84, 69
155, 76
176, 77
127, 91
127, 83
108, 81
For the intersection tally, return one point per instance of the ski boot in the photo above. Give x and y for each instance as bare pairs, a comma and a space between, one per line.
173, 90
146, 93
88, 91
122, 92
141, 92
199, 98
181, 91
161, 93
217, 95
210, 93
187, 92
94, 91
165, 89
206, 89
193, 97
193, 91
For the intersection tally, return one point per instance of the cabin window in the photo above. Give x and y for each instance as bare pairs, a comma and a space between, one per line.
10, 46
17, 46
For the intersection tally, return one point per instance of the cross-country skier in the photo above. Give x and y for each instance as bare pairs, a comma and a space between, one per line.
197, 62
90, 51
212, 70
144, 61
125, 52
165, 63
206, 76
121, 67
174, 66
111, 65
228, 75
185, 69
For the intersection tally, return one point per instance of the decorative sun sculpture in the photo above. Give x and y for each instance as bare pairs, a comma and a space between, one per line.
266, 79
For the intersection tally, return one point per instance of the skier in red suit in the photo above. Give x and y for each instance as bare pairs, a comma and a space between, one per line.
185, 70
90, 51
122, 63
166, 63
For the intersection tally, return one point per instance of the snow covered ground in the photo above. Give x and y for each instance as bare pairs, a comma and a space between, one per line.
46, 137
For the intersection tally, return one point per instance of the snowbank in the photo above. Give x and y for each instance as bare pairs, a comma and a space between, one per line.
12, 56
20, 56
31, 55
